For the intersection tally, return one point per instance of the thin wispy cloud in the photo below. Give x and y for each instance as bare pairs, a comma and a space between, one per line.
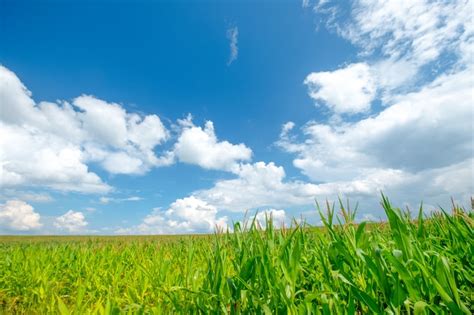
233, 36
107, 200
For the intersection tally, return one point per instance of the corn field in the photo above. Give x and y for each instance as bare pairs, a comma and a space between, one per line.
407, 265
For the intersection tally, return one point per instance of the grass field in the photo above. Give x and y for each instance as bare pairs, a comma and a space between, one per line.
413, 266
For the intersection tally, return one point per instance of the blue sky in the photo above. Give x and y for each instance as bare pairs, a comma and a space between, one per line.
289, 102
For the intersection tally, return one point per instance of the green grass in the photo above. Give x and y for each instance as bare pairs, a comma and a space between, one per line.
409, 266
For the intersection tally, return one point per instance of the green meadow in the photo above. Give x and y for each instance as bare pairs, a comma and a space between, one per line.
410, 264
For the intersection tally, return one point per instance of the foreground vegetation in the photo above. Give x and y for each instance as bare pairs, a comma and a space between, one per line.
418, 266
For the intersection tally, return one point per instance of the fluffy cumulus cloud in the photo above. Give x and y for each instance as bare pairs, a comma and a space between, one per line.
17, 215
348, 90
32, 158
51, 144
200, 146
187, 215
124, 143
71, 221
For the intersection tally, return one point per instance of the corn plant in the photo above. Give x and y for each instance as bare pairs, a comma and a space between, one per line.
406, 265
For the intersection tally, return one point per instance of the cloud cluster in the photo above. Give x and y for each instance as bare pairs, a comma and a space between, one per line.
187, 215
71, 221
51, 144
411, 150
16, 215
263, 184
417, 31
416, 59
407, 135
19, 216
124, 142
259, 185
404, 43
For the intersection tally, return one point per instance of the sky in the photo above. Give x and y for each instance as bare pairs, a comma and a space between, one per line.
172, 117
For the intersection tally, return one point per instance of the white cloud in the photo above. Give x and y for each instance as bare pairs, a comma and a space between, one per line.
256, 186
232, 36
348, 90
263, 185
111, 131
123, 143
185, 215
414, 34
17, 215
107, 200
391, 74
437, 116
52, 144
287, 127
146, 132
200, 146
71, 221
29, 157
457, 180
104, 200
122, 163
31, 196
121, 129
419, 30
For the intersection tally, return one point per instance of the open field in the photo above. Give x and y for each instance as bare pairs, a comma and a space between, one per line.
403, 266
